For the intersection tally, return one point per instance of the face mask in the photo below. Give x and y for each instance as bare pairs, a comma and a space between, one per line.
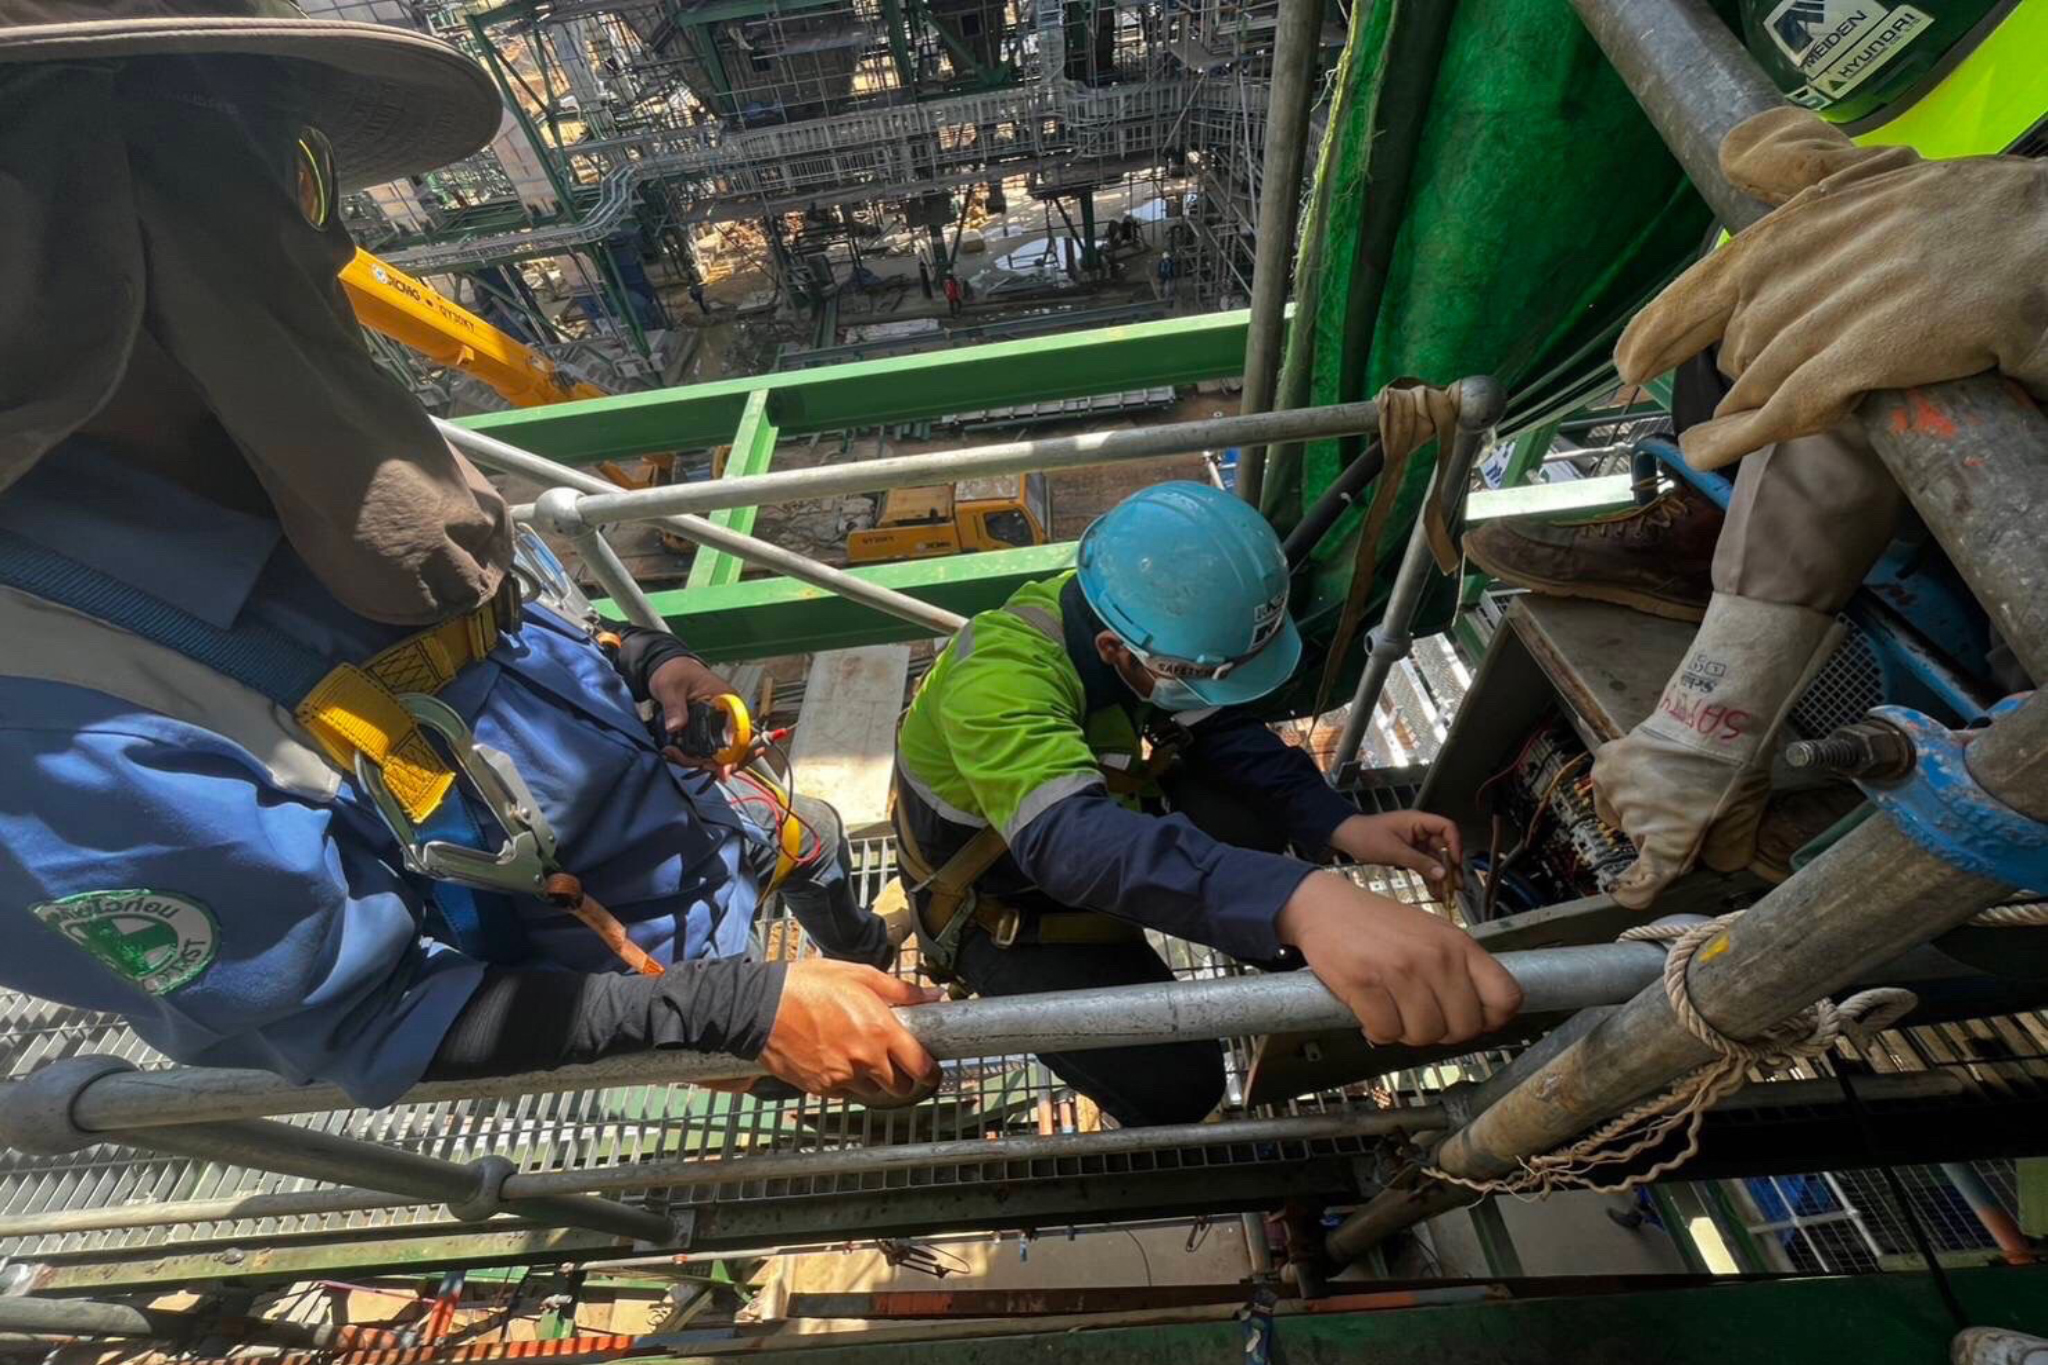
1172, 694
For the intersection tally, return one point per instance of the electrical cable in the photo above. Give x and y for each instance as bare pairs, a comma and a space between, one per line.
1141, 1255
1921, 1243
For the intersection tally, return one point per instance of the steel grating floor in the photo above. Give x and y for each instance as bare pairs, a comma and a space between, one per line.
2000, 1060
604, 1127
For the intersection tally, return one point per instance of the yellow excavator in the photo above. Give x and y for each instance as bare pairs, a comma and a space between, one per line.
394, 304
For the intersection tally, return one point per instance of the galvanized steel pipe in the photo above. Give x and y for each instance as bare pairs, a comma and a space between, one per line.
1480, 402
474, 1190
947, 466
1288, 101
1865, 901
510, 459
555, 511
1971, 454
1552, 979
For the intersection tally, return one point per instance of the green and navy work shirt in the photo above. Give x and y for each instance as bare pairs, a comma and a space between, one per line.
1014, 728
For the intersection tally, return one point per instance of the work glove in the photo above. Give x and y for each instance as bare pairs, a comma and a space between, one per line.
1876, 270
1689, 784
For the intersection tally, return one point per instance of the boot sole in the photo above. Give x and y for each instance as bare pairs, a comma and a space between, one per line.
1665, 607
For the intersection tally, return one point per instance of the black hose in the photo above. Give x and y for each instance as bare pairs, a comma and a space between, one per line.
1343, 490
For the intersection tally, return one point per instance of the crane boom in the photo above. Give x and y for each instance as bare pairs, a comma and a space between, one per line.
409, 311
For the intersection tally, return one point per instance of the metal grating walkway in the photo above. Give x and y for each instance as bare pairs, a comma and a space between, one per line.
603, 1127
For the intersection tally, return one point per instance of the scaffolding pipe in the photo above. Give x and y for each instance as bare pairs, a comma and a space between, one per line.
1288, 101
472, 1192
946, 466
1480, 401
510, 459
1867, 900
1956, 448
1552, 979
692, 1172
555, 510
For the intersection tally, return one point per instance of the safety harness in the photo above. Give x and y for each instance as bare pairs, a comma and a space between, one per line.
372, 720
952, 902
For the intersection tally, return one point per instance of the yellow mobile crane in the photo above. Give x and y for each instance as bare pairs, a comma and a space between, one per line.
394, 304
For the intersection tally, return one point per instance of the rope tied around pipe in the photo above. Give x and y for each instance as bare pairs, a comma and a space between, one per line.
1809, 1034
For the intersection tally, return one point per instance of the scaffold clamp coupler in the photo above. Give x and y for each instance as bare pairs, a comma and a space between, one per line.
36, 1112
489, 1198
1941, 807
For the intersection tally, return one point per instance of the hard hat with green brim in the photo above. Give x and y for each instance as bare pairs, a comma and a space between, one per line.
391, 102
1193, 582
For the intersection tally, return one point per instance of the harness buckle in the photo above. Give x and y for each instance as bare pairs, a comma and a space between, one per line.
522, 864
1009, 922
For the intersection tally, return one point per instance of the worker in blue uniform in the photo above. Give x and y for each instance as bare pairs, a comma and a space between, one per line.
1077, 768
239, 575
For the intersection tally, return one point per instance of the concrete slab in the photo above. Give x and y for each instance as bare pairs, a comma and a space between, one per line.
845, 737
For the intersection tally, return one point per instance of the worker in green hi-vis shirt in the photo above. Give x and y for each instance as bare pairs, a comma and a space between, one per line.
1078, 768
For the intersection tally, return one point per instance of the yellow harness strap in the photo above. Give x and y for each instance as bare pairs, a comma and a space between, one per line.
355, 708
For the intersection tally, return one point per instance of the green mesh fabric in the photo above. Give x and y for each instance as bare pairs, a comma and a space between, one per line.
1541, 210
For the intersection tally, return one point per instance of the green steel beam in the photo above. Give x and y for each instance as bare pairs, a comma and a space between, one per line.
883, 392
766, 617
898, 26
753, 450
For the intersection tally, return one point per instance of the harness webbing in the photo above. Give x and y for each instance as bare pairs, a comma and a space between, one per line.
279, 668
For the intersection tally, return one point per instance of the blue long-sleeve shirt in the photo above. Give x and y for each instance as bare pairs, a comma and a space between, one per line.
152, 865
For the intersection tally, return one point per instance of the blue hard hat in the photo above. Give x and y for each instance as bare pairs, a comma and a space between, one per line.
1193, 580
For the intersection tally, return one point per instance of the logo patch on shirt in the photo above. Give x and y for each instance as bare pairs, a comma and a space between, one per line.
159, 940
1839, 44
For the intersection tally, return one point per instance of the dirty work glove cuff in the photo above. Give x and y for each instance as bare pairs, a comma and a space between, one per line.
1689, 783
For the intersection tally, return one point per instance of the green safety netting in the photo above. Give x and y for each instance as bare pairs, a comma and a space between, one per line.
1488, 199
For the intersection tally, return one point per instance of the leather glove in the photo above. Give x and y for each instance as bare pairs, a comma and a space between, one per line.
1689, 784
1876, 270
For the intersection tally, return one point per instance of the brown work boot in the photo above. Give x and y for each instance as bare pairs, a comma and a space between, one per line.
1657, 559
1795, 819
